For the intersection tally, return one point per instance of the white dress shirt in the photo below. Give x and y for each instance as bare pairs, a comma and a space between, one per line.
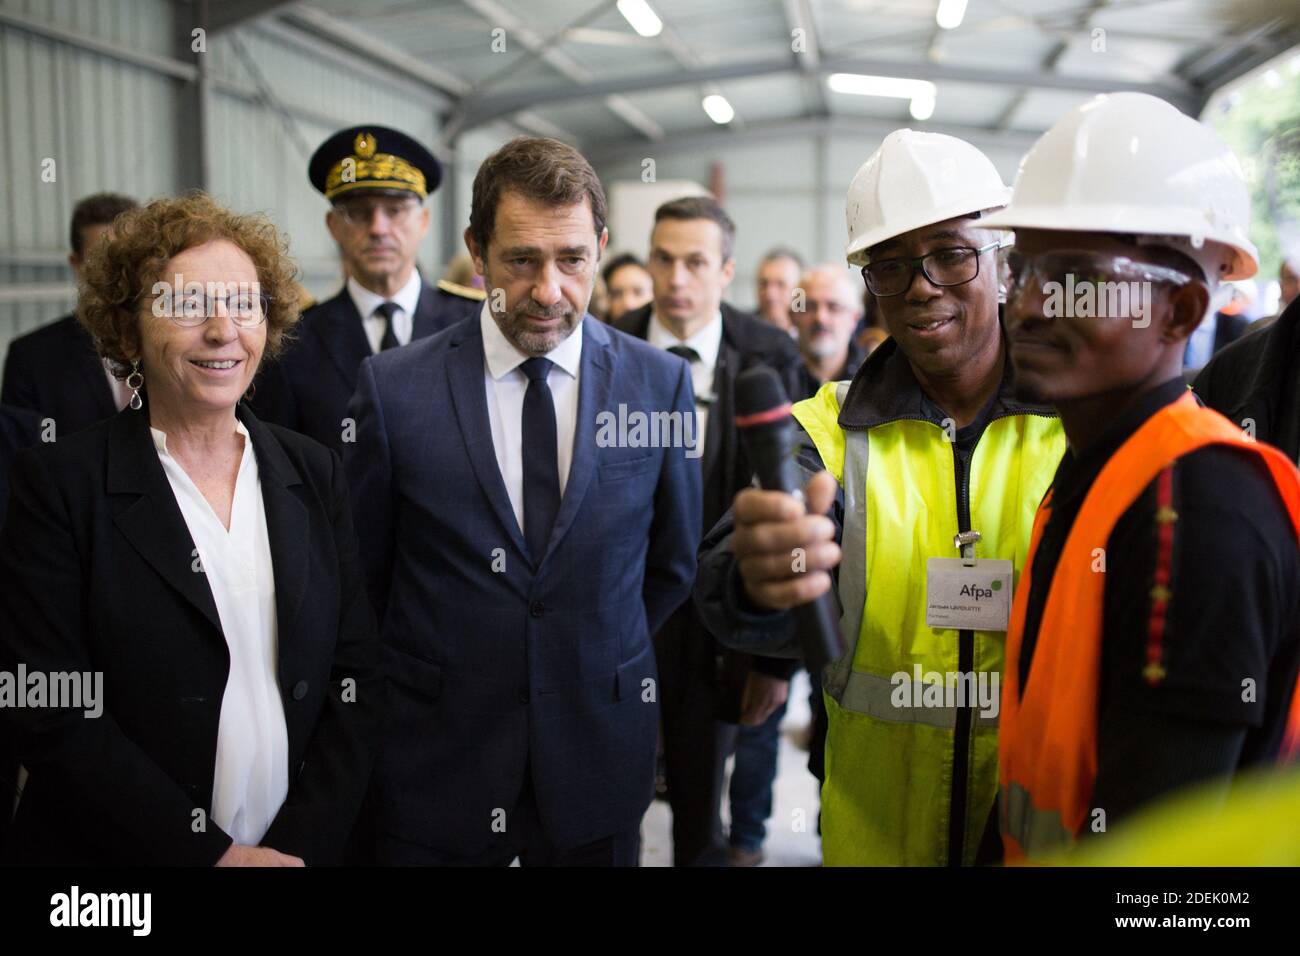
403, 319
506, 384
251, 777
707, 343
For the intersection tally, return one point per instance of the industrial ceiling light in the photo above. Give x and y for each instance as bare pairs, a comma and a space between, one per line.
950, 13
922, 107
719, 109
642, 19
860, 84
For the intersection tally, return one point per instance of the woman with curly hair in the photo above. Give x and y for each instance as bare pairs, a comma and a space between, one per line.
180, 581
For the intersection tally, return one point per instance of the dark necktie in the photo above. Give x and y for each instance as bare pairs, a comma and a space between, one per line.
541, 471
691, 356
385, 310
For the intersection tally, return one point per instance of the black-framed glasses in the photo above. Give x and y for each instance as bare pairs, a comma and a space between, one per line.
953, 265
247, 310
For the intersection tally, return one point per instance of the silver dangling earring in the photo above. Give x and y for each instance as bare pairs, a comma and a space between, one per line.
134, 382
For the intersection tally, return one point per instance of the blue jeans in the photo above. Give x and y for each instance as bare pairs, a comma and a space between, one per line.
751, 781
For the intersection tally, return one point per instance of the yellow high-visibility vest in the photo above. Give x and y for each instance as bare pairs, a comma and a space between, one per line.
887, 796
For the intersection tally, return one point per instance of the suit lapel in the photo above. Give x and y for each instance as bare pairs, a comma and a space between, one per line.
148, 515
469, 397
425, 321
287, 526
594, 386
339, 327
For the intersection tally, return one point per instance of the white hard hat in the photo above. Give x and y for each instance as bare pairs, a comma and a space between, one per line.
914, 180
1132, 163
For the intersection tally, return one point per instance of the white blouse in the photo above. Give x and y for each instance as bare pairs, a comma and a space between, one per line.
251, 777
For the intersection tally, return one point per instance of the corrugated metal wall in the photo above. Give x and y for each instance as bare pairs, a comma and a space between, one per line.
115, 125
62, 104
256, 163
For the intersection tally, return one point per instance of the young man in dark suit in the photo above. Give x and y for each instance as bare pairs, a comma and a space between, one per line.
707, 691
54, 370
376, 180
521, 545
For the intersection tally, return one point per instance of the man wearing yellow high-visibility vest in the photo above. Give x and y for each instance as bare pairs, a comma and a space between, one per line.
935, 472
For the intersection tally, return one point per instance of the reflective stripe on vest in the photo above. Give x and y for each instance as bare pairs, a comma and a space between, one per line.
889, 763
1048, 748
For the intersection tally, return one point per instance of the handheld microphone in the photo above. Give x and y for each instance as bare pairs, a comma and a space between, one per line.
767, 433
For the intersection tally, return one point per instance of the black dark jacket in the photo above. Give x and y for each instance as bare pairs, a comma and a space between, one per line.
97, 574
55, 371
19, 429
746, 342
1256, 382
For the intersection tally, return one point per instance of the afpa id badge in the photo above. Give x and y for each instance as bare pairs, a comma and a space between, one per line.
968, 595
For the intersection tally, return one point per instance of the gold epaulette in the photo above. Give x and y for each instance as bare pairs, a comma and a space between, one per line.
464, 291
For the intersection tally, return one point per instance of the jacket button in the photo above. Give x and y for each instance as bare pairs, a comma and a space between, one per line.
537, 609
300, 690
523, 695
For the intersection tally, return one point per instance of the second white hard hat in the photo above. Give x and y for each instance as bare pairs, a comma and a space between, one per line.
1132, 163
913, 180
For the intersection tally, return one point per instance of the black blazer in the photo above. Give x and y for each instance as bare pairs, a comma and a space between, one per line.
19, 429
97, 574
1227, 329
1256, 381
54, 370
746, 342
308, 388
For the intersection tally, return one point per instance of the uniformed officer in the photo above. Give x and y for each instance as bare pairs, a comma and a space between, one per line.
376, 180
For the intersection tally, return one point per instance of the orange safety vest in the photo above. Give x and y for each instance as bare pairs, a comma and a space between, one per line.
1047, 746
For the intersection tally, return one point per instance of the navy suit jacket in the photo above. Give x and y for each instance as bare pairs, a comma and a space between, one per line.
501, 662
308, 387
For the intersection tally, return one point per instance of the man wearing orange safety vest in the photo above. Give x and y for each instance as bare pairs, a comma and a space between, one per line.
1154, 637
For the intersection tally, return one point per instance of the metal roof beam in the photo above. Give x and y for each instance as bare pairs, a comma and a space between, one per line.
704, 138
233, 13
479, 111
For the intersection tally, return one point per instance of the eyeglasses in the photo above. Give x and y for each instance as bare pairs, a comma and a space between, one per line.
247, 310
1076, 268
396, 211
955, 265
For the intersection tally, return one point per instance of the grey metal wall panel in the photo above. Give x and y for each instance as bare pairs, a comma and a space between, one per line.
107, 125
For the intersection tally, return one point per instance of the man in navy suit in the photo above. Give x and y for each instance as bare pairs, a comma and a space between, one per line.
376, 180
527, 504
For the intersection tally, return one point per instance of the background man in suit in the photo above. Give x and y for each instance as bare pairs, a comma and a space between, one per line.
826, 320
778, 274
520, 550
691, 263
376, 180
55, 370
